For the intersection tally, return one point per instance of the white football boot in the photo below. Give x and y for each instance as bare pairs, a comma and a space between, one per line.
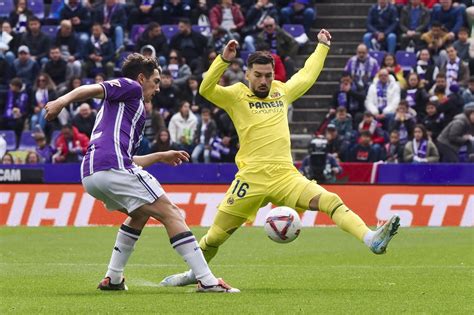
384, 234
179, 279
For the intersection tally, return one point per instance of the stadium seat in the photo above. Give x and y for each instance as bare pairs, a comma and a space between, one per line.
169, 30
27, 142
37, 7
244, 54
406, 60
6, 6
87, 81
137, 30
50, 30
378, 55
294, 30
10, 138
54, 8
204, 30
119, 62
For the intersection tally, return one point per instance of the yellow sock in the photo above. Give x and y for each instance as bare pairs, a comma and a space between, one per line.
348, 221
212, 240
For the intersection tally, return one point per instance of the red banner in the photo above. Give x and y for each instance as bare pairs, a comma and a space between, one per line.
69, 205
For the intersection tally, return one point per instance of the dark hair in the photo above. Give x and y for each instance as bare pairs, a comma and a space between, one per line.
54, 47
8, 154
423, 130
66, 126
185, 21
441, 75
181, 104
136, 63
395, 131
16, 82
193, 77
341, 109
260, 58
30, 154
463, 29
451, 46
436, 24
179, 56
404, 103
365, 133
205, 110
385, 57
33, 18
151, 26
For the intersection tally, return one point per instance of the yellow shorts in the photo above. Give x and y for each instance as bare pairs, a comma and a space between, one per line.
255, 186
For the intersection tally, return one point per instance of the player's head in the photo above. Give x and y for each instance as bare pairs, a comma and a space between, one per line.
145, 71
260, 73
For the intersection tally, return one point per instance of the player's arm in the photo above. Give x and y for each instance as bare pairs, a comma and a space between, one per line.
304, 79
210, 89
173, 158
79, 94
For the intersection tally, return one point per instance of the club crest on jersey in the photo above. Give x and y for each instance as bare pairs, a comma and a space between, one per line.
275, 95
230, 200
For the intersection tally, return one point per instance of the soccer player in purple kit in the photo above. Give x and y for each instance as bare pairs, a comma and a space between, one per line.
113, 174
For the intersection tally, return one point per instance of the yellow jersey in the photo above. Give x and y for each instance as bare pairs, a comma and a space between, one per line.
262, 123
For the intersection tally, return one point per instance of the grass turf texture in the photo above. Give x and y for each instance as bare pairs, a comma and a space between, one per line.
56, 270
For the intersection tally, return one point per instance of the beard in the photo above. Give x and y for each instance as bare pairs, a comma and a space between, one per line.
261, 94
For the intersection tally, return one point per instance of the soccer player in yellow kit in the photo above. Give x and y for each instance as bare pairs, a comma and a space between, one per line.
266, 171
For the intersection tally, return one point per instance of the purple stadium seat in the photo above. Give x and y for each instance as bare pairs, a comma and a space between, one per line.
54, 9
244, 54
37, 7
378, 55
6, 6
406, 60
10, 138
169, 30
87, 81
295, 30
204, 30
50, 30
137, 30
27, 142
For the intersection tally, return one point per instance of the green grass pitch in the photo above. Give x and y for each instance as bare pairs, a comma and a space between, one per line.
56, 270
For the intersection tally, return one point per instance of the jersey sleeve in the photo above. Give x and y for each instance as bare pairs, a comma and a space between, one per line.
121, 89
304, 79
212, 91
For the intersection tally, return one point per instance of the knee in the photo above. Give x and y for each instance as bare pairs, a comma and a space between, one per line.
286, 12
367, 36
172, 216
329, 202
392, 36
309, 13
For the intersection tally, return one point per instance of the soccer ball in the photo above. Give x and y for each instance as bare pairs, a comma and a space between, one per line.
282, 224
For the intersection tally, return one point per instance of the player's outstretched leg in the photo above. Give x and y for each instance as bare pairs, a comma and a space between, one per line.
222, 228
127, 236
350, 222
184, 242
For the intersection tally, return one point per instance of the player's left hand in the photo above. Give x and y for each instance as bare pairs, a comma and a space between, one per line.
324, 37
175, 158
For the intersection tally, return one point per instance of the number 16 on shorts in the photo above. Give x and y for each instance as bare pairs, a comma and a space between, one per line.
240, 189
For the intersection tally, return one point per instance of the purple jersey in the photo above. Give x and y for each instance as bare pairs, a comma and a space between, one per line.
118, 128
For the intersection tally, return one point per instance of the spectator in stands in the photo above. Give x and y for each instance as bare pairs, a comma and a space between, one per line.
414, 21
433, 121
279, 71
426, 69
25, 67
44, 90
43, 149
153, 123
155, 37
364, 152
462, 44
394, 149
435, 39
84, 119
219, 38
228, 16
403, 122
36, 41
235, 73
225, 145
9, 42
415, 95
178, 68
32, 158
7, 159
458, 133
457, 72
166, 102
175, 10
440, 88
421, 149
56, 68
451, 105
468, 94
342, 123
382, 23
96, 103
69, 45
19, 17
71, 108
100, 53
389, 62
81, 21
149, 51
144, 11
182, 127
335, 144
427, 3
362, 68
221, 150
279, 40
17, 108
190, 43
5, 76
71, 145
450, 17
113, 19
255, 16
163, 142
383, 96
299, 12
349, 98
203, 138
373, 126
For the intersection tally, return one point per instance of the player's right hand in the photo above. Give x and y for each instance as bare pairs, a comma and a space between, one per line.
230, 50
53, 109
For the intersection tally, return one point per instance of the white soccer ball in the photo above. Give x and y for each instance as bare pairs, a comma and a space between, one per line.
282, 224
